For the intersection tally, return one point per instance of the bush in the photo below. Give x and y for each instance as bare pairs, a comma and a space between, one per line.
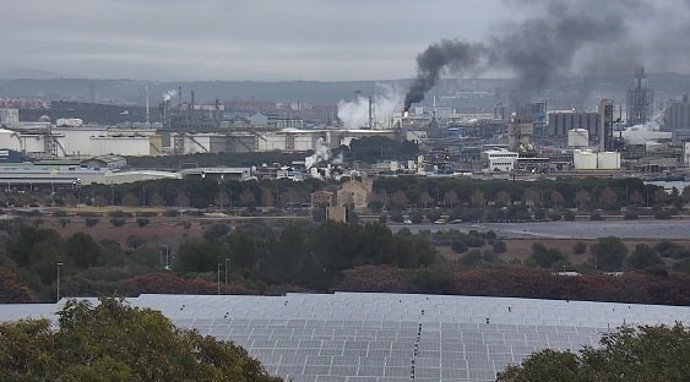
568, 215
555, 216
171, 213
90, 222
117, 222
666, 248
595, 216
119, 214
397, 216
216, 231
499, 246
187, 225
475, 241
579, 248
376, 206
417, 217
663, 215
459, 246
383, 219
63, 222
143, 222
630, 215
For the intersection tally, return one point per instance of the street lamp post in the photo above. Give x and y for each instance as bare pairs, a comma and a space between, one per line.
59, 264
227, 259
218, 278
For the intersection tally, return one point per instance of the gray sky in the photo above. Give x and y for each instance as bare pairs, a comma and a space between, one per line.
304, 39
234, 39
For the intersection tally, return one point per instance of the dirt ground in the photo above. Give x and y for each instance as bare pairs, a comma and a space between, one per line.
522, 248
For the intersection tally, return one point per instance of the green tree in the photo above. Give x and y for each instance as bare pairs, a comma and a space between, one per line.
647, 353
116, 342
643, 257
546, 258
83, 250
199, 256
609, 253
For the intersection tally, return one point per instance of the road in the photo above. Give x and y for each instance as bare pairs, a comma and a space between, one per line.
676, 229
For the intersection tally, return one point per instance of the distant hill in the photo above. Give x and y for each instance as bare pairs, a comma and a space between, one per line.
561, 93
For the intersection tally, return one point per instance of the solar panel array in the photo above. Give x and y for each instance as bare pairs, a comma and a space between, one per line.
391, 337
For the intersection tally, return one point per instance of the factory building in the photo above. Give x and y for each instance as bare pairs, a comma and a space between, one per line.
561, 122
535, 114
500, 160
605, 125
9, 117
275, 121
677, 115
640, 100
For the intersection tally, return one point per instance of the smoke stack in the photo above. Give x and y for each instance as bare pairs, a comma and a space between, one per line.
148, 115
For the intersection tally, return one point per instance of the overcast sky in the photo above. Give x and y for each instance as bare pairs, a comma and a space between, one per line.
233, 39
298, 39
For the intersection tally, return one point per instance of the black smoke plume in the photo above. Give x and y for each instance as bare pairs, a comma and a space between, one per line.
591, 35
451, 54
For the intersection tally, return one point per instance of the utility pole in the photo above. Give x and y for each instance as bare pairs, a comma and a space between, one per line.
59, 264
219, 278
227, 259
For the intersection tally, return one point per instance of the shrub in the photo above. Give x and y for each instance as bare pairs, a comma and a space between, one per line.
143, 222
216, 231
63, 222
579, 248
475, 241
119, 214
568, 215
499, 246
630, 215
663, 215
90, 222
117, 222
171, 213
459, 246
595, 216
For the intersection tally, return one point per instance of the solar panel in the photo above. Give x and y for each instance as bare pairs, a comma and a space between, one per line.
386, 337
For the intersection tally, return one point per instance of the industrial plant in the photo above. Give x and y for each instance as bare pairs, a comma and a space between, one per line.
631, 136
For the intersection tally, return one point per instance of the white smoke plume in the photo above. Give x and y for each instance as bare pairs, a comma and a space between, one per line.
167, 96
355, 114
321, 154
649, 131
338, 158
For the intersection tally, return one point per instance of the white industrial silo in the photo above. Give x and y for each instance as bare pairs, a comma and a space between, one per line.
608, 160
584, 160
578, 138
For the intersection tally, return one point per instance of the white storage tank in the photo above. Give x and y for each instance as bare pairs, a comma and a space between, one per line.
608, 160
578, 138
687, 152
9, 140
584, 160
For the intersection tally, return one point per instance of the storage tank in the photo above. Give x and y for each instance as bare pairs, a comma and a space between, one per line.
578, 138
608, 160
9, 140
584, 160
